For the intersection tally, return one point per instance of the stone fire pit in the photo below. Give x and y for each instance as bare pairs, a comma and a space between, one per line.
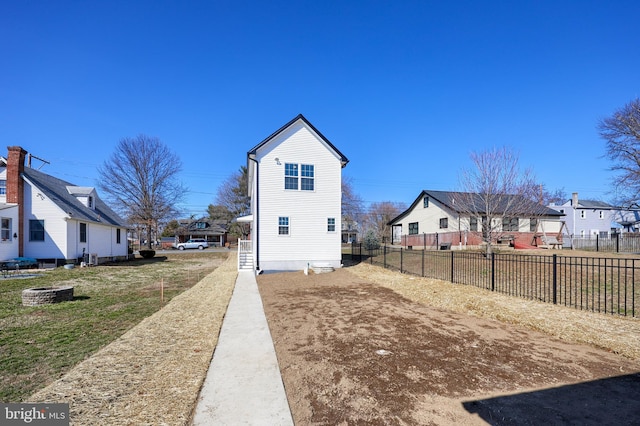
46, 295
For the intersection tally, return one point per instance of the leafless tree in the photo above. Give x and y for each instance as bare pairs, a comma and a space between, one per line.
141, 180
621, 131
497, 193
379, 215
232, 196
352, 205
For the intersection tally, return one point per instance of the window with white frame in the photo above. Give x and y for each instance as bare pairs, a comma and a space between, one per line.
601, 214
3, 187
583, 214
533, 224
425, 202
290, 176
413, 228
283, 225
299, 176
90, 202
307, 177
473, 224
331, 224
5, 229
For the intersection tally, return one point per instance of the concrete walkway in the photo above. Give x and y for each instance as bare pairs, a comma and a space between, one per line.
243, 385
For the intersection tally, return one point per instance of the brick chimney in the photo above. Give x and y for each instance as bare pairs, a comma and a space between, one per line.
15, 188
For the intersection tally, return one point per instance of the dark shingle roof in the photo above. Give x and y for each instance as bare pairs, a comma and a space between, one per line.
56, 190
594, 204
450, 198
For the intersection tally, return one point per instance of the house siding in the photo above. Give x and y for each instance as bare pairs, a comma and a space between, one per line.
308, 241
39, 207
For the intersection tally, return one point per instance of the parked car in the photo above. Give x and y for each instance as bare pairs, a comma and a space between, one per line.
194, 243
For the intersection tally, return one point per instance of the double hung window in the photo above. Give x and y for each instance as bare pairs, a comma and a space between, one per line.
299, 176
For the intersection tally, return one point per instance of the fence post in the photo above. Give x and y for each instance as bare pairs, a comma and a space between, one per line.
493, 271
385, 256
451, 265
597, 243
617, 242
555, 279
401, 259
423, 252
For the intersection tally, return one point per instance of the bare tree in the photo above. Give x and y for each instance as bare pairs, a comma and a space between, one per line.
621, 131
141, 180
379, 216
497, 193
232, 195
352, 205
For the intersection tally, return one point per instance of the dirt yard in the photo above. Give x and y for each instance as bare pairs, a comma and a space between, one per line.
352, 352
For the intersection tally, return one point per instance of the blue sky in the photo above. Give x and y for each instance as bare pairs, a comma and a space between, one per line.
405, 89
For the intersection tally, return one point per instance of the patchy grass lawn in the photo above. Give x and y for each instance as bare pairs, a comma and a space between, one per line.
39, 344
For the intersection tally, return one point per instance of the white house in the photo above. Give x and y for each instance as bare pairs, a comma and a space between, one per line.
442, 212
55, 220
295, 185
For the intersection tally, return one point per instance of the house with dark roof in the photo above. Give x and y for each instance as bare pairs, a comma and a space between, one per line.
215, 232
462, 215
56, 220
295, 185
588, 218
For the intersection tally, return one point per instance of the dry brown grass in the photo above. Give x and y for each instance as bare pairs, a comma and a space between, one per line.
616, 334
153, 373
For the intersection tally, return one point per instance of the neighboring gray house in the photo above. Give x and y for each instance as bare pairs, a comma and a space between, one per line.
587, 218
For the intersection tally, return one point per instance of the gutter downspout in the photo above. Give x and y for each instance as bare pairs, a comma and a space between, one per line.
256, 216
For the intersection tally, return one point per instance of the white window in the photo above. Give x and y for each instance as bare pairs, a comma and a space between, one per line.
5, 231
3, 187
601, 214
299, 176
331, 224
90, 202
283, 225
583, 214
425, 202
290, 176
307, 177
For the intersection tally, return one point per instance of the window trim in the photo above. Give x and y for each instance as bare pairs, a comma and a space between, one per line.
8, 230
291, 176
425, 202
331, 226
444, 223
3, 187
284, 224
473, 223
299, 177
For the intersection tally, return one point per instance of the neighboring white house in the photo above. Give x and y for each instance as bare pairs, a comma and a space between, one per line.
295, 185
440, 212
56, 220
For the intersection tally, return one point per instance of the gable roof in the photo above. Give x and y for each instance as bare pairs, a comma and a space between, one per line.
344, 160
448, 199
57, 191
593, 204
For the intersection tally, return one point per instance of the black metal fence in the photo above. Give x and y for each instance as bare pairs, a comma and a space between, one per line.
606, 285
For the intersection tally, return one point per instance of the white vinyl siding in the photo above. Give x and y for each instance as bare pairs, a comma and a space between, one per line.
307, 210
